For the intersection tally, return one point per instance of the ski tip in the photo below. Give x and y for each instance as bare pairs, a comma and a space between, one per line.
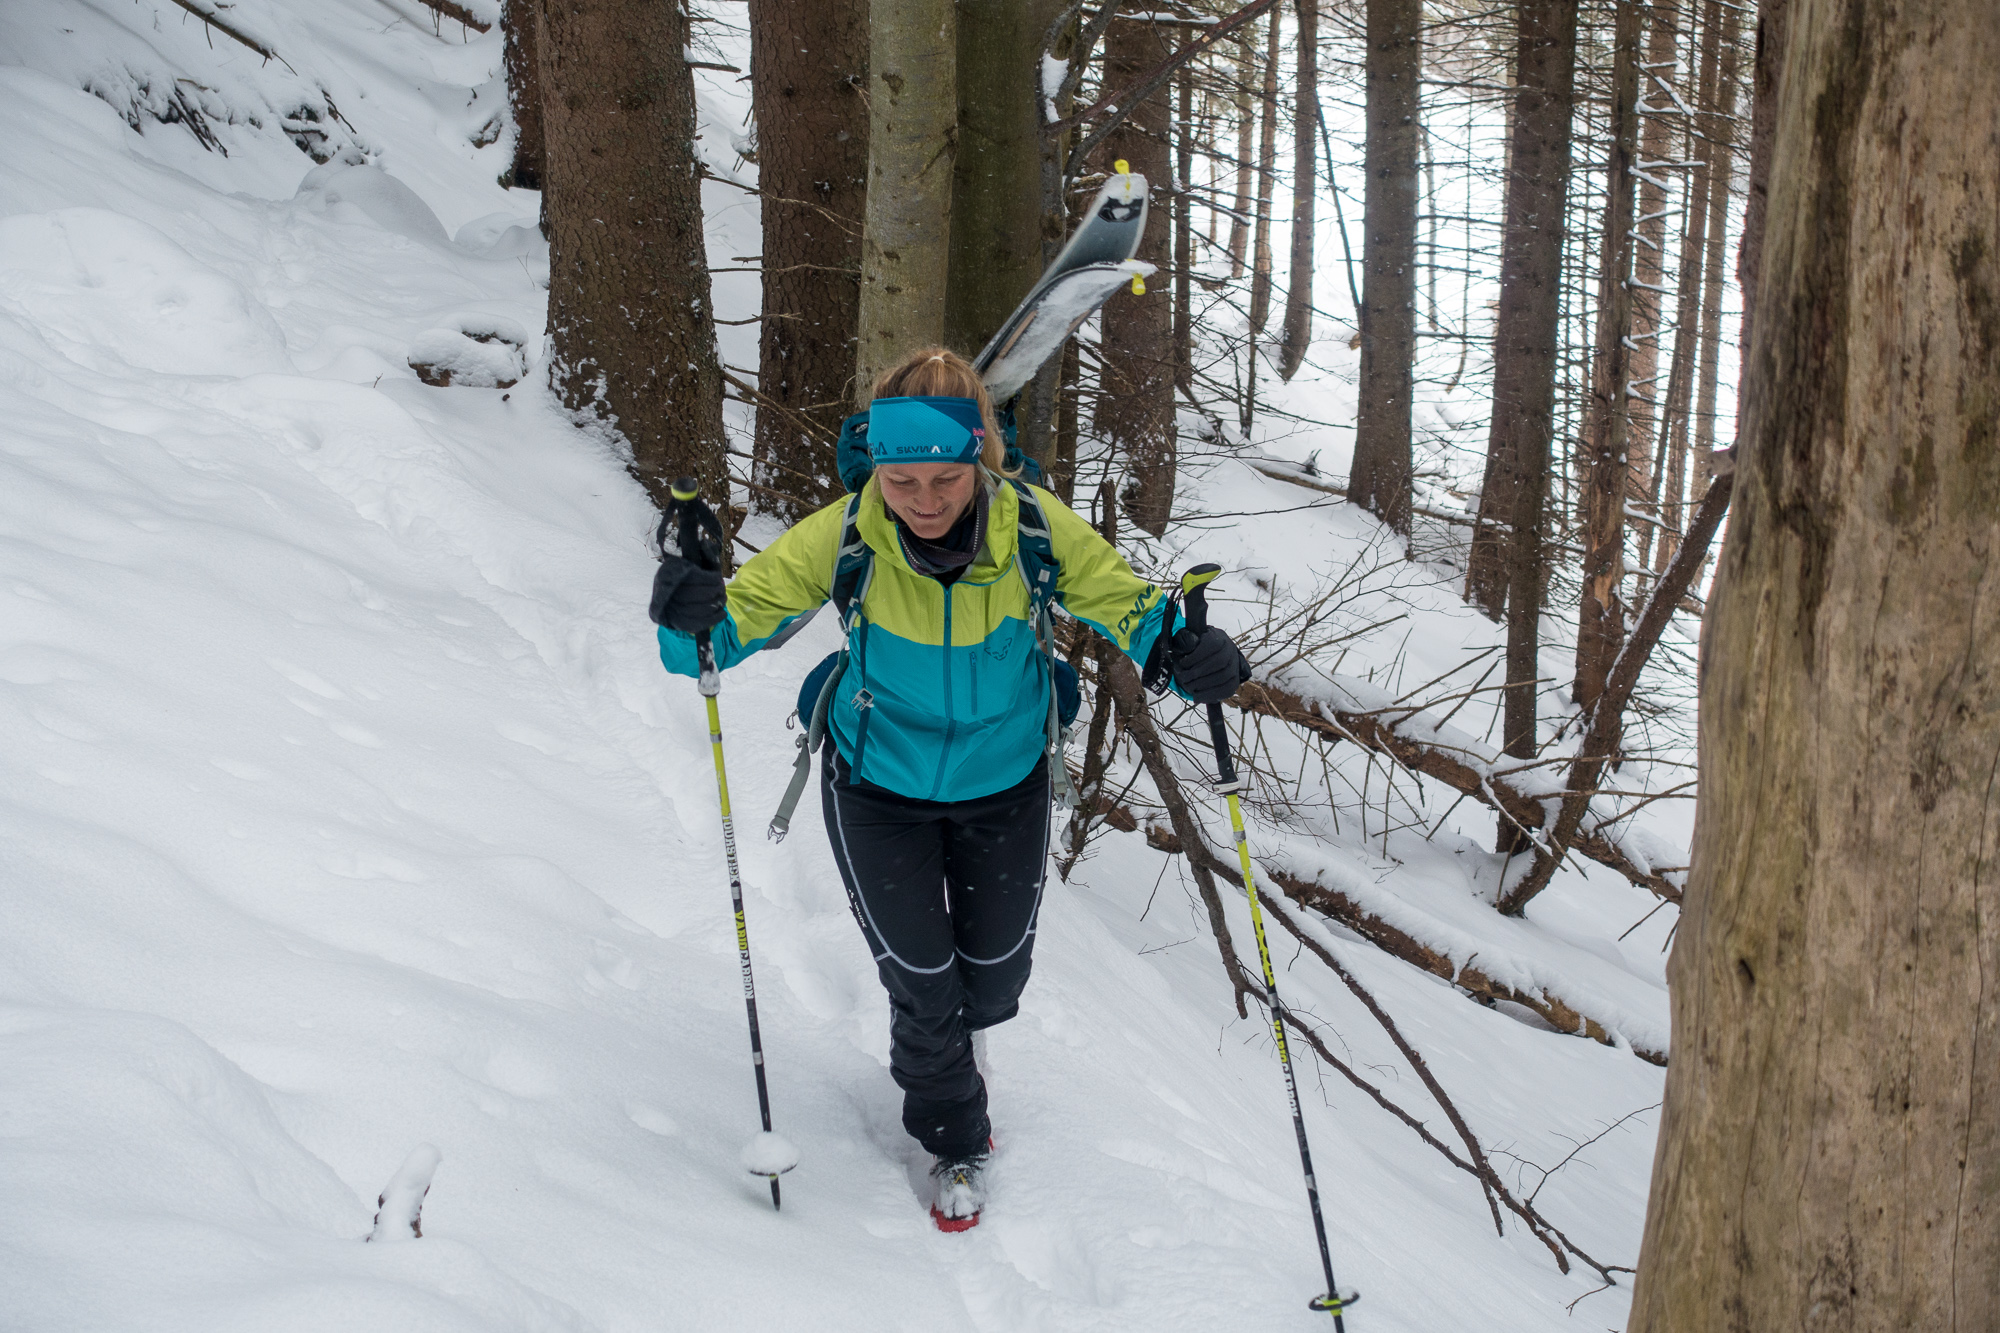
953, 1225
1122, 167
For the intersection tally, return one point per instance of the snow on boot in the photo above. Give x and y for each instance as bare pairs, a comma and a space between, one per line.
961, 1191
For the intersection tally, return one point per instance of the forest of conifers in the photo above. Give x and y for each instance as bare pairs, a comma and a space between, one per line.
1576, 270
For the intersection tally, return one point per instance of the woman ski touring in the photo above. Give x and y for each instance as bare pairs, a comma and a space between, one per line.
937, 786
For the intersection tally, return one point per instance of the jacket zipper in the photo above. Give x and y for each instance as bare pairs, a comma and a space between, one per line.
950, 723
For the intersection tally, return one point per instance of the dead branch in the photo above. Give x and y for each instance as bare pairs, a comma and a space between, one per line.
1121, 679
1607, 719
1375, 731
457, 13
207, 15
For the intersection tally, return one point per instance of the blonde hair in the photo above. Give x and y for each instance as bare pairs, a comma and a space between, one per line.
939, 372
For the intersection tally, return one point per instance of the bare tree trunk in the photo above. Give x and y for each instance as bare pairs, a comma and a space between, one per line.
1657, 114
1184, 236
1267, 179
1829, 1150
1719, 126
996, 221
906, 233
1526, 343
1688, 265
524, 94
1600, 629
1297, 335
809, 67
1246, 126
1380, 479
1135, 410
630, 320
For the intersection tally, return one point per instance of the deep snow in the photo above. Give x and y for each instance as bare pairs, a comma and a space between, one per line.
344, 809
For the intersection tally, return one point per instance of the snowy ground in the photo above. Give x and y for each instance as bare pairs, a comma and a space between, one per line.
344, 808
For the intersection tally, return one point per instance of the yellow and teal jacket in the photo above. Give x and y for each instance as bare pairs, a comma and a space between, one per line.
945, 696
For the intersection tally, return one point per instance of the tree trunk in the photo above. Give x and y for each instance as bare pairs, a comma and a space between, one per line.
1297, 335
1184, 235
996, 217
1527, 332
630, 321
1688, 271
1657, 115
1246, 127
524, 94
808, 66
1380, 478
1600, 627
906, 232
1267, 178
1135, 410
1719, 126
1830, 1145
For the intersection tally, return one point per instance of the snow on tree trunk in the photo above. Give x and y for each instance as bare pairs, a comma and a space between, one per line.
906, 235
809, 69
1830, 1146
630, 321
399, 1209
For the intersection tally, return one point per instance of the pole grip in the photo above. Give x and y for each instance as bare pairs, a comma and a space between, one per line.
1194, 604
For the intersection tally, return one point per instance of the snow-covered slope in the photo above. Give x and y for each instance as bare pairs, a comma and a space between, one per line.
344, 808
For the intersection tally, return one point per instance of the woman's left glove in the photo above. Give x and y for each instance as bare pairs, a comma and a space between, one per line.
687, 597
1207, 666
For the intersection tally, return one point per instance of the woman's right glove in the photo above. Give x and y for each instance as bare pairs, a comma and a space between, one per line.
687, 597
1207, 666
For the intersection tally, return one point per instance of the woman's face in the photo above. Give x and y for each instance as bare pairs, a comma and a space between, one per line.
928, 497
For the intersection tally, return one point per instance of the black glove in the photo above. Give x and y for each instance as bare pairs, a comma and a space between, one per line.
1207, 666
687, 597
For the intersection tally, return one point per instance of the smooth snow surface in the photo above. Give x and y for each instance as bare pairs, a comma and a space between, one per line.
344, 808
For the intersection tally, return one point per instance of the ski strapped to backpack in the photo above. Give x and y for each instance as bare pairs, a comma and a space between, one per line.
854, 570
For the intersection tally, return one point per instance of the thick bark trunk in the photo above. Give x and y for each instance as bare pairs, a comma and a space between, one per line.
1380, 478
630, 322
1600, 628
524, 94
1526, 325
1830, 1145
1135, 410
906, 230
809, 66
1297, 329
996, 219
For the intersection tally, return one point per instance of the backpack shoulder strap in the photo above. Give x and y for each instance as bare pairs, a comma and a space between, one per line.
1035, 552
853, 565
1035, 557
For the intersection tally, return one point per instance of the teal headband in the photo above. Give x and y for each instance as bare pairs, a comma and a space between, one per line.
925, 430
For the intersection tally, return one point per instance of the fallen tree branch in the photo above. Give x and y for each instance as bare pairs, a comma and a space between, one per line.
1336, 906
457, 13
1382, 732
1607, 719
212, 19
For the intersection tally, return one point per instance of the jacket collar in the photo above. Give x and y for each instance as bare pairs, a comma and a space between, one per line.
996, 553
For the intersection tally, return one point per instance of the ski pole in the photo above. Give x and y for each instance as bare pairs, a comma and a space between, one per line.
1194, 596
699, 537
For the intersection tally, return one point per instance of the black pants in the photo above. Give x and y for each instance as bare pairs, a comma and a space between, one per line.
946, 896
